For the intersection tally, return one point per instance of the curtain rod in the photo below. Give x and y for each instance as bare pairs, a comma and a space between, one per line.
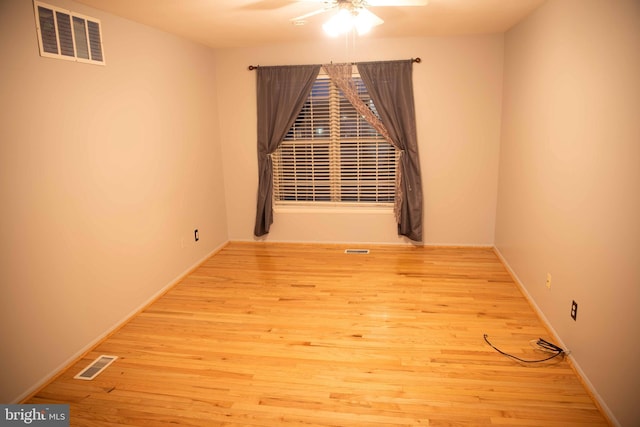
255, 67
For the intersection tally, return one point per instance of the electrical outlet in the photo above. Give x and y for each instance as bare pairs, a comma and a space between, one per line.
574, 310
548, 284
196, 235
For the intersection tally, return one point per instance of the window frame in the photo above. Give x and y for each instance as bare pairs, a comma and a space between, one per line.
334, 143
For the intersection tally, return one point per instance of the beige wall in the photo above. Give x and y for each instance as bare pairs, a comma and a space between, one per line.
104, 172
458, 99
569, 187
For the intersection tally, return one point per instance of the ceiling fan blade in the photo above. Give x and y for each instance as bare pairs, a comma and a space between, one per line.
397, 2
260, 5
267, 4
310, 14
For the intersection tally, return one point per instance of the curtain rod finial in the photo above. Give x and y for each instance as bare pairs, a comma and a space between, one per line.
253, 67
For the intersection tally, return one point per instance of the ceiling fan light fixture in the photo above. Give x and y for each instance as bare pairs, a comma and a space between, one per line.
365, 20
340, 23
352, 14
347, 19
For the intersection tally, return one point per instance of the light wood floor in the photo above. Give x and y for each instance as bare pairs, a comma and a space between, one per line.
305, 335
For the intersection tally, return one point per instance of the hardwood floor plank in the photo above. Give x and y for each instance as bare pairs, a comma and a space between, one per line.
306, 335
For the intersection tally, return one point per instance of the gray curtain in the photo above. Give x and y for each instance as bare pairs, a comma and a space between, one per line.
390, 85
281, 94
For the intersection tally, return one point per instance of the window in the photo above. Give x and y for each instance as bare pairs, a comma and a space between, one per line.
66, 35
332, 154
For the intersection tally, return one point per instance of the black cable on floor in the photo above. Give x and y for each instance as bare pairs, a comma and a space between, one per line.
545, 345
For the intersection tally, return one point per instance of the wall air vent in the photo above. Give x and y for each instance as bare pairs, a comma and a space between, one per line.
357, 251
67, 35
97, 366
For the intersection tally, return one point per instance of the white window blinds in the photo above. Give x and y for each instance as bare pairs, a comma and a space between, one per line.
332, 154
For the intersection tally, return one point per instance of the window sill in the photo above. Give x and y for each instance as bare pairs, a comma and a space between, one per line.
333, 208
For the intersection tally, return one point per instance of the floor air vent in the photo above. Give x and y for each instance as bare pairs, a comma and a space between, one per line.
356, 251
97, 366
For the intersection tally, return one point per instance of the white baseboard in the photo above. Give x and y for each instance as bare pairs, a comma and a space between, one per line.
402, 241
574, 363
76, 356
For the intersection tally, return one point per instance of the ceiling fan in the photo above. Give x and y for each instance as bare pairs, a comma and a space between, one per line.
353, 14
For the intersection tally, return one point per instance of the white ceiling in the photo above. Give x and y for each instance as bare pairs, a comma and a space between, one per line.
243, 23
